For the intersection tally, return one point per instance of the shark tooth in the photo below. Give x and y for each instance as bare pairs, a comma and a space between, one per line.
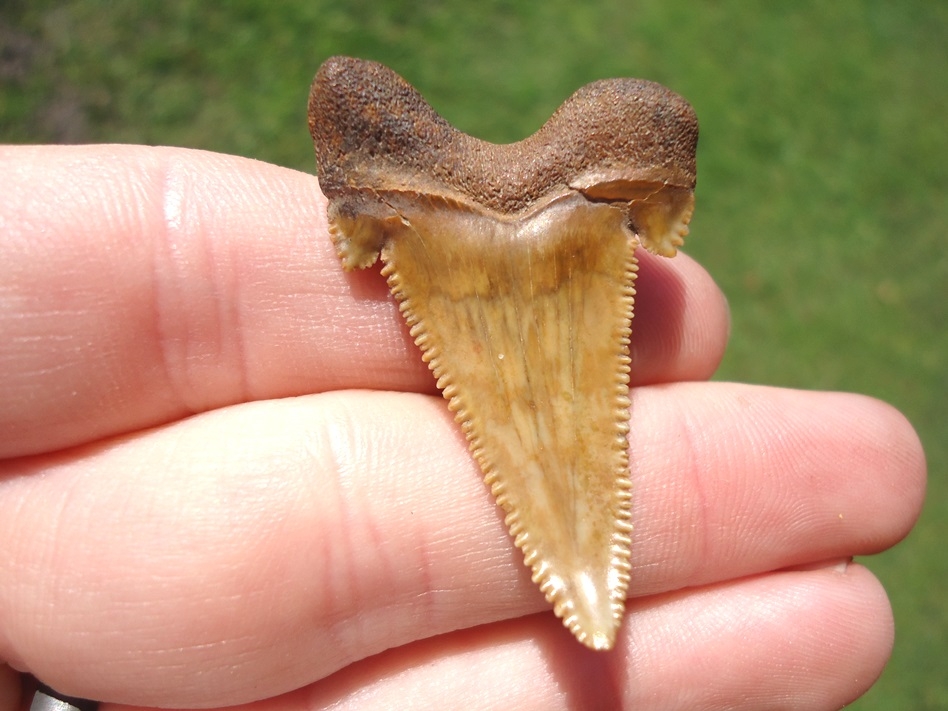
514, 266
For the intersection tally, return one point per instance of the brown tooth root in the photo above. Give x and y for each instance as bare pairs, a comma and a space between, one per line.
513, 265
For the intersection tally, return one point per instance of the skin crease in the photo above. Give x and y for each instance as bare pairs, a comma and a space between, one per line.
227, 478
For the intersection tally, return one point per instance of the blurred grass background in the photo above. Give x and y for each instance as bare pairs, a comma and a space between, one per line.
823, 166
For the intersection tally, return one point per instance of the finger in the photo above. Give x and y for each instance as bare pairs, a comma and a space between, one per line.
812, 640
198, 568
10, 685
140, 285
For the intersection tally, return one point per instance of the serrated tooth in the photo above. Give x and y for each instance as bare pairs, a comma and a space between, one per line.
514, 266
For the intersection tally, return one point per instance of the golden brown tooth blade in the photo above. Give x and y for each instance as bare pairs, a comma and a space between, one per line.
525, 323
514, 264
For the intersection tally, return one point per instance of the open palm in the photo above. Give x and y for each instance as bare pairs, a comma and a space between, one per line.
228, 477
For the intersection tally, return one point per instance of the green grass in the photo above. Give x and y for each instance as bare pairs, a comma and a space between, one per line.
822, 206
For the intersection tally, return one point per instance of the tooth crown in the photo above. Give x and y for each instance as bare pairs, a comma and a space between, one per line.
514, 266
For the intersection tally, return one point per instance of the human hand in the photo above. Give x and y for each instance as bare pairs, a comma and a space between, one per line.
228, 478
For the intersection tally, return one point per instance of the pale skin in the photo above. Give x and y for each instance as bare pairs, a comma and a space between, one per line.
228, 477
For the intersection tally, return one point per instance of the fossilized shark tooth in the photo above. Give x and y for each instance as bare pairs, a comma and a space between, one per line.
513, 265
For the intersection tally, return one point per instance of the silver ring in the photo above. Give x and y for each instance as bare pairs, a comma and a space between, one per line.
47, 699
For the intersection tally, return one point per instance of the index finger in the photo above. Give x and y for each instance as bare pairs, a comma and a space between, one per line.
140, 285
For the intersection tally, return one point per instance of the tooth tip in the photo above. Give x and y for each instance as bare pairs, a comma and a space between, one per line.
600, 641
591, 605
